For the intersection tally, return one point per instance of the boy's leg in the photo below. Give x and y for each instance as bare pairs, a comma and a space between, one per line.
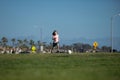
58, 47
53, 46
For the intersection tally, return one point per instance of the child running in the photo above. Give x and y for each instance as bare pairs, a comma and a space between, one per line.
55, 38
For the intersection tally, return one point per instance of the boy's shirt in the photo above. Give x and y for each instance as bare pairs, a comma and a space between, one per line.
55, 38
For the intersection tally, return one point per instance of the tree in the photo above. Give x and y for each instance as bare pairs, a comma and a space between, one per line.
31, 42
4, 41
20, 42
78, 47
25, 42
87, 46
106, 49
13, 41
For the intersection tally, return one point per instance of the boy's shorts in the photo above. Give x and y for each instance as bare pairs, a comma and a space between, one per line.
55, 44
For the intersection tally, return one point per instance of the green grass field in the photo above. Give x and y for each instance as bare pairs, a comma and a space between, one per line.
83, 66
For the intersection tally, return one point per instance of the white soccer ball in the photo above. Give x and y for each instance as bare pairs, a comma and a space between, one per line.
69, 52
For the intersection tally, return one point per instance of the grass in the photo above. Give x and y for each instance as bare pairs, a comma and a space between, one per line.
84, 66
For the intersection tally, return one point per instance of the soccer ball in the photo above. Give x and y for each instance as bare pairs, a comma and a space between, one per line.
69, 52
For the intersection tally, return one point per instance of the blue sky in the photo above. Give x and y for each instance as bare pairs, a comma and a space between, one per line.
71, 18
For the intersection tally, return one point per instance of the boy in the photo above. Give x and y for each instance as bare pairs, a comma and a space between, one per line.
55, 38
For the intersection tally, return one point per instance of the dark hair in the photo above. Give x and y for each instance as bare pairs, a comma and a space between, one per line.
54, 32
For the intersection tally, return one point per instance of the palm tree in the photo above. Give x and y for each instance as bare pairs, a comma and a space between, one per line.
31, 42
20, 42
13, 41
4, 41
25, 43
